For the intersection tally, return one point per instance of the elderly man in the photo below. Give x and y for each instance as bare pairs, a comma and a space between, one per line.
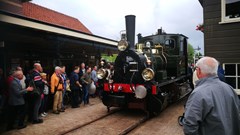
57, 89
39, 83
16, 101
23, 79
213, 107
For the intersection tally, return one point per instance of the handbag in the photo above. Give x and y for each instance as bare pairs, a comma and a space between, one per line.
92, 88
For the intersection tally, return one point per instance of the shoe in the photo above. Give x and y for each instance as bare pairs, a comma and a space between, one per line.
61, 110
76, 106
43, 115
37, 121
21, 127
56, 112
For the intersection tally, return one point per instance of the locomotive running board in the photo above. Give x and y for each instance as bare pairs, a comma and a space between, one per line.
171, 81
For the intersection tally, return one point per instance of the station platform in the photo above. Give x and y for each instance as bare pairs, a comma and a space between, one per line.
164, 124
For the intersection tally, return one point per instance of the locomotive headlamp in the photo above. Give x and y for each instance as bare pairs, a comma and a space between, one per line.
140, 92
148, 44
148, 74
122, 45
101, 73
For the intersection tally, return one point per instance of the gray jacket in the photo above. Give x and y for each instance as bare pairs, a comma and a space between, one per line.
16, 93
213, 108
94, 76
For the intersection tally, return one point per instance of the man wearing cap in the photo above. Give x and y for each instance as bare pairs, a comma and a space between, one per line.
57, 89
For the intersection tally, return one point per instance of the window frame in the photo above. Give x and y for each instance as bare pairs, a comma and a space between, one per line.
223, 15
237, 75
168, 46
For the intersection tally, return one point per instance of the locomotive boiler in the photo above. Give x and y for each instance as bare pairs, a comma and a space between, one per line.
148, 75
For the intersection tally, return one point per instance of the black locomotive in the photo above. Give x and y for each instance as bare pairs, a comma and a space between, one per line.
149, 75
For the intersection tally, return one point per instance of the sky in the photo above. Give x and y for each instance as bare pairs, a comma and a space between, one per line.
106, 18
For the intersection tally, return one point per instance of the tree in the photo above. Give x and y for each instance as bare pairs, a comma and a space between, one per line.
191, 52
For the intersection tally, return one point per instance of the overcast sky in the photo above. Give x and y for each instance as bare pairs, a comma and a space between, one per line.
106, 18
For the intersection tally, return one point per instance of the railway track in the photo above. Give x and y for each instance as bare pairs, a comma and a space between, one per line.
116, 122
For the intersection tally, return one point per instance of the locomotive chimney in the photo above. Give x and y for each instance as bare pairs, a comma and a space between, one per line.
159, 31
130, 28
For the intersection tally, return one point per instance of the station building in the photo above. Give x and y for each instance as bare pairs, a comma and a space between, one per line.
222, 36
31, 33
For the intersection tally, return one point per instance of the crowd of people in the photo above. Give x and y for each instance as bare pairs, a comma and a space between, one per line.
212, 108
29, 97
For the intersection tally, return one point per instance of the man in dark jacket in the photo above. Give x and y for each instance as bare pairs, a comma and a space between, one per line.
75, 87
82, 71
39, 83
16, 101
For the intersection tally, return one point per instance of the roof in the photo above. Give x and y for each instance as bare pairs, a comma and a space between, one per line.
201, 2
43, 14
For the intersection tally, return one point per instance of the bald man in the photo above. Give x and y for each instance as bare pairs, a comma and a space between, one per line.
39, 83
213, 107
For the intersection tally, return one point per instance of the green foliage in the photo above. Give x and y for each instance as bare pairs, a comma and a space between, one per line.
109, 58
191, 52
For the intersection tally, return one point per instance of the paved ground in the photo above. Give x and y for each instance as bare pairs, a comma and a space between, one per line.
54, 124
164, 124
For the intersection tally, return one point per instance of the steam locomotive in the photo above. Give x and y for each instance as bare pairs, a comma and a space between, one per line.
149, 75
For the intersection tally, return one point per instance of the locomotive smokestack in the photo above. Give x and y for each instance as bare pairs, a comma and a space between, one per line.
130, 28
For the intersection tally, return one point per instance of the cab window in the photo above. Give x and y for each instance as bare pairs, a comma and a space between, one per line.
170, 43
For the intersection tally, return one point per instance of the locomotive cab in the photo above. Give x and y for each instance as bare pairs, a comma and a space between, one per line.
170, 53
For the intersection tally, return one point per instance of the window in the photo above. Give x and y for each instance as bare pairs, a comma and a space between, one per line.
170, 43
232, 74
230, 11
